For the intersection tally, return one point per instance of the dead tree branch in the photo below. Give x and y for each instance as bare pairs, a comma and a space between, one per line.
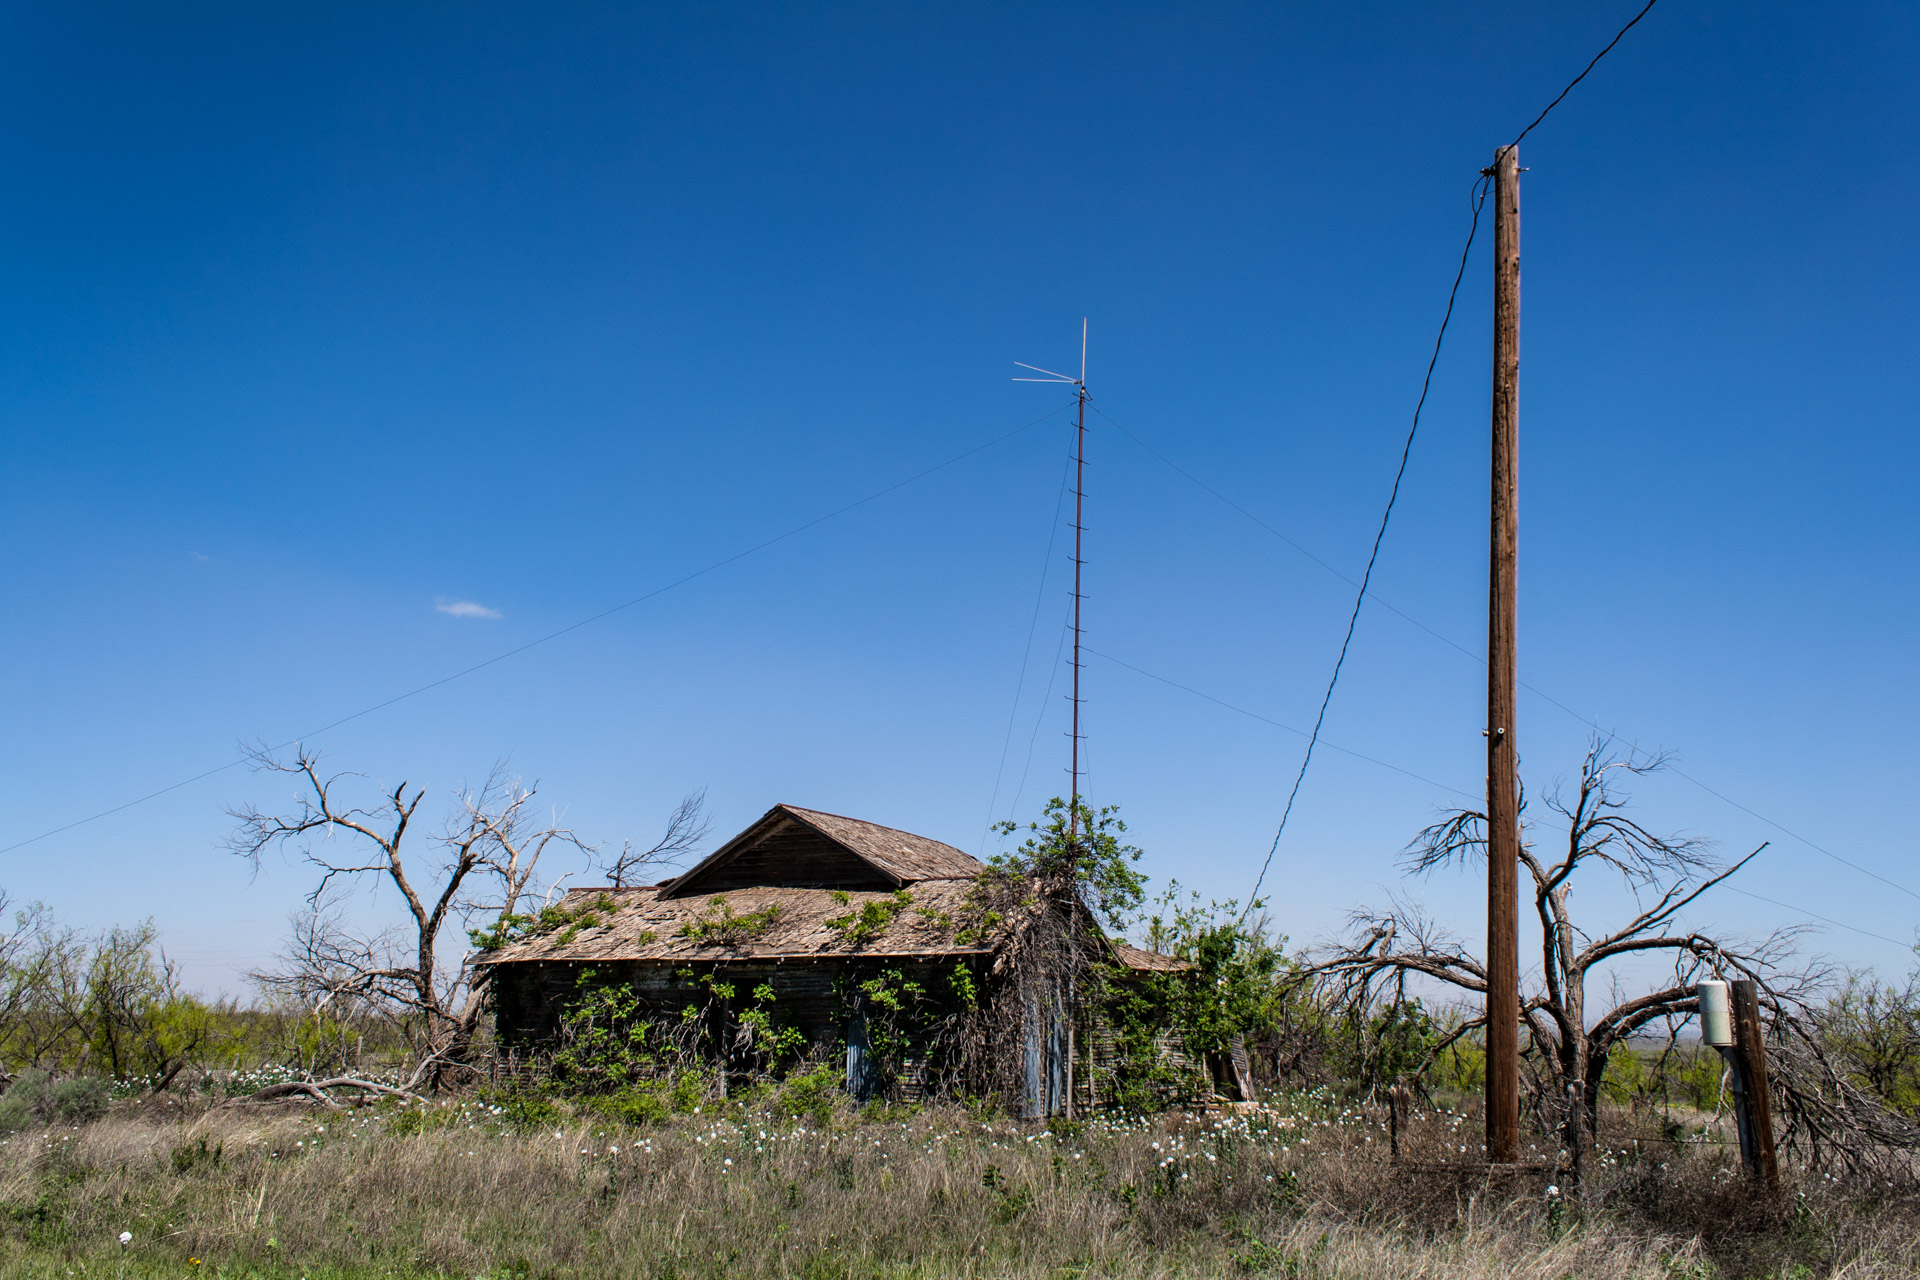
687, 828
1569, 1045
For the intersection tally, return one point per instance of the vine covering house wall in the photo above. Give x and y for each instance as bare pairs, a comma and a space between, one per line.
811, 934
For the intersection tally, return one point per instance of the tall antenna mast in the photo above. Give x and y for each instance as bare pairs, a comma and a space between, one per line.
1079, 386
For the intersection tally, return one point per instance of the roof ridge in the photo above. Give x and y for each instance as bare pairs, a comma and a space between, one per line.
867, 822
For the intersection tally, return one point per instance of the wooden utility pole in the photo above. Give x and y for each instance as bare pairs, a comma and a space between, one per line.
1503, 777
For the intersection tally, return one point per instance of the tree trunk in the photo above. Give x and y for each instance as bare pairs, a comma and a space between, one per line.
1575, 1095
1578, 1135
1596, 1076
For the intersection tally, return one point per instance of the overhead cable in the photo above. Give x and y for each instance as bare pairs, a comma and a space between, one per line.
1786, 906
1618, 36
1255, 715
553, 635
1481, 658
1373, 556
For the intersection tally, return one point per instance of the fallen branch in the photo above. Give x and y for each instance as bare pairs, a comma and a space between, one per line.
167, 1078
317, 1090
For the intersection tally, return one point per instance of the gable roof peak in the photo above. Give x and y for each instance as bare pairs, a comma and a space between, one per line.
900, 856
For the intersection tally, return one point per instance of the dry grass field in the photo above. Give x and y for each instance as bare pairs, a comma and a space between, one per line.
475, 1189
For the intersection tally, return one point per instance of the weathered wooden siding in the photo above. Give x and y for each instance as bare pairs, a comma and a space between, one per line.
529, 999
1055, 1063
793, 857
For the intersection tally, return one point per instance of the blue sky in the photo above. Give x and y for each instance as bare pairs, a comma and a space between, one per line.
313, 322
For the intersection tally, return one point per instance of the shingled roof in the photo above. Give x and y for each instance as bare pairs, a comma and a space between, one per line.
1129, 956
651, 924
904, 854
793, 886
648, 924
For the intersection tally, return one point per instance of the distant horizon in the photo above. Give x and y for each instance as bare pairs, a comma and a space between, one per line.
629, 397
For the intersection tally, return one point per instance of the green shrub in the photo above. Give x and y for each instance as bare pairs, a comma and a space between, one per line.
37, 1098
566, 922
638, 1106
409, 1118
811, 1094
649, 1102
527, 1112
609, 1040
1460, 1067
875, 917
718, 926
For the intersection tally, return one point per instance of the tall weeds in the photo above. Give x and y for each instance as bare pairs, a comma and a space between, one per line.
517, 1189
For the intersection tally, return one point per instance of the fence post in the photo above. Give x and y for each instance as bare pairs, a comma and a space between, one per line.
1750, 1043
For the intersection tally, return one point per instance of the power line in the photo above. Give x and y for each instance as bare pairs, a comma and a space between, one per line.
1618, 36
1865, 933
1254, 715
1479, 196
553, 635
1360, 595
1481, 658
1388, 605
1845, 862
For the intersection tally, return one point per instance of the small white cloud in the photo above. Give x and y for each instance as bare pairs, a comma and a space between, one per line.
463, 608
198, 555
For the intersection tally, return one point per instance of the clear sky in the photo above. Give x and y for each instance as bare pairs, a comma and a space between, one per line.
316, 326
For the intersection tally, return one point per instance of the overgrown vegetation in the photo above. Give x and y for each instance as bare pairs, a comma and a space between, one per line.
719, 926
562, 923
799, 1183
111, 1005
1080, 847
875, 916
36, 1098
715, 1109
1834, 1088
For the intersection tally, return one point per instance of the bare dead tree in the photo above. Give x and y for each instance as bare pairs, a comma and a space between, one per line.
43, 993
1848, 1072
687, 828
1568, 1044
333, 973
480, 865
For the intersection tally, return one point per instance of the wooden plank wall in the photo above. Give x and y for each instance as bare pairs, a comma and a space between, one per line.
529, 998
794, 857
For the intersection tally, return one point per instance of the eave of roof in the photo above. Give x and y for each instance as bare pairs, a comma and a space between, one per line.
1139, 959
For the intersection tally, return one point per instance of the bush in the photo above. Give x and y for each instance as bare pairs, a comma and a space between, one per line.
527, 1112
637, 1107
37, 1098
406, 1119
811, 1094
650, 1101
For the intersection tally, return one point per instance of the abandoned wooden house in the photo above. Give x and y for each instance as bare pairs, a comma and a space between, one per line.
820, 933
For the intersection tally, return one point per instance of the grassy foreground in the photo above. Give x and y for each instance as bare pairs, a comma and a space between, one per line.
522, 1190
